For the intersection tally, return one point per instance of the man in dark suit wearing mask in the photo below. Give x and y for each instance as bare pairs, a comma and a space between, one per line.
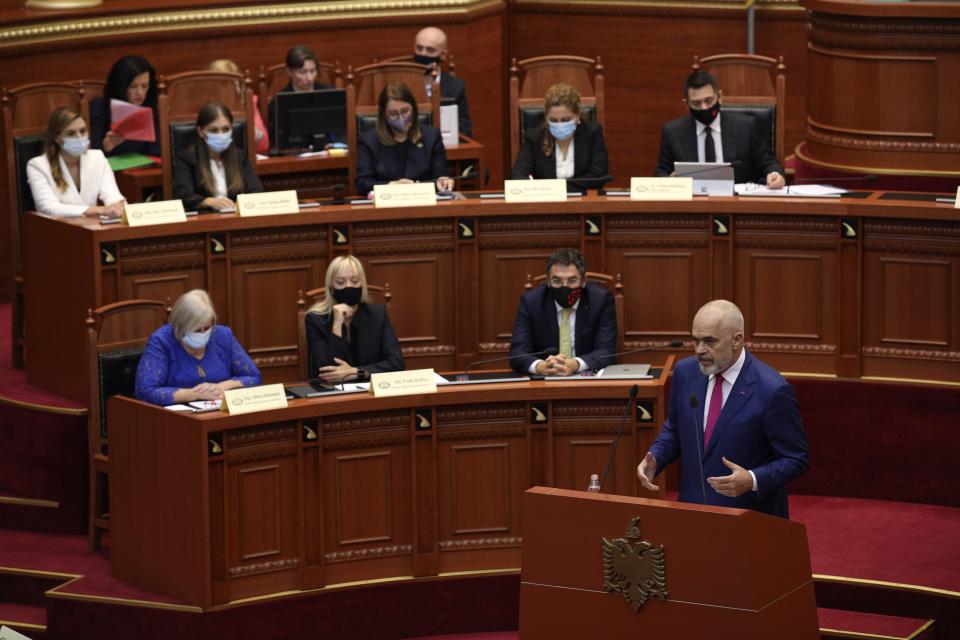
430, 47
709, 134
569, 314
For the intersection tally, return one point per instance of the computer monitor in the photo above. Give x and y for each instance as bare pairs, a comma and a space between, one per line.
309, 120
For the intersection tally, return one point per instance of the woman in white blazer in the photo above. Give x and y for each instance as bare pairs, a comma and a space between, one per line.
70, 178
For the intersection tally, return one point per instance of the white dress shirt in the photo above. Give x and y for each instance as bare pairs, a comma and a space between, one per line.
96, 183
219, 179
573, 336
701, 138
565, 167
729, 379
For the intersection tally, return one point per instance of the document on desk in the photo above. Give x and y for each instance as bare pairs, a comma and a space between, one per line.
796, 191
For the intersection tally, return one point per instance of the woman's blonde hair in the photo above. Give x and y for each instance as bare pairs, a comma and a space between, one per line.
59, 120
558, 95
192, 310
224, 65
339, 265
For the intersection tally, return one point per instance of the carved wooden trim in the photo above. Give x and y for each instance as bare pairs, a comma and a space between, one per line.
267, 566
792, 347
391, 250
430, 350
660, 243
595, 430
480, 543
313, 253
248, 238
274, 361
353, 442
400, 229
892, 246
520, 244
785, 224
700, 222
130, 249
368, 553
260, 456
880, 145
918, 228
371, 421
480, 434
500, 225
163, 266
923, 354
447, 415
248, 437
777, 9
494, 347
587, 410
785, 243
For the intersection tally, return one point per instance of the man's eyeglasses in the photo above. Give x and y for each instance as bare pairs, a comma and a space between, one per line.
573, 283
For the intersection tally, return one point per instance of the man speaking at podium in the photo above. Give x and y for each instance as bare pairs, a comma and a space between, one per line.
751, 443
574, 318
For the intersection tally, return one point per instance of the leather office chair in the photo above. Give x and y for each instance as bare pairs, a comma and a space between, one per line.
530, 79
182, 95
363, 92
614, 283
306, 299
755, 85
116, 337
274, 78
26, 110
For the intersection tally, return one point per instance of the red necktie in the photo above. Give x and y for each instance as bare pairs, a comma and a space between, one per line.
716, 404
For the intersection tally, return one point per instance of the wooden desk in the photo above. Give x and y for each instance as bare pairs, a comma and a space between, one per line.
838, 287
310, 176
211, 508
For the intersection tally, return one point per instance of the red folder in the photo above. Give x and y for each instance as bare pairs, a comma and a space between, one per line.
132, 122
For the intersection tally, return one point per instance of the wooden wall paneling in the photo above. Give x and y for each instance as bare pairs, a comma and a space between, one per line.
312, 506
467, 289
416, 258
423, 439
158, 269
216, 504
664, 261
482, 468
582, 433
268, 269
721, 257
849, 297
218, 275
540, 449
785, 282
367, 495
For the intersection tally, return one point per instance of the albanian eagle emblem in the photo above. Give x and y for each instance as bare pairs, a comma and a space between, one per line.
634, 568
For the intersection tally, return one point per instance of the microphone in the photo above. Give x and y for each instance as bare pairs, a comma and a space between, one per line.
831, 179
698, 436
634, 390
673, 344
549, 351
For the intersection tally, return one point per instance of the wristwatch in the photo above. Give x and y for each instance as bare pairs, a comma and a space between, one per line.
362, 374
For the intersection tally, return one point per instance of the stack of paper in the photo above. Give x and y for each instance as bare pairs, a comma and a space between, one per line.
797, 191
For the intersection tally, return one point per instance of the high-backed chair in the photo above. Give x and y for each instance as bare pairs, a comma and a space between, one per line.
752, 84
116, 336
363, 92
614, 283
89, 91
182, 95
306, 299
274, 78
530, 79
26, 110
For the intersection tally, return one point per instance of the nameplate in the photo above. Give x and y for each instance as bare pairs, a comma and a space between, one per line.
252, 399
142, 214
403, 383
409, 194
554, 190
267, 204
661, 188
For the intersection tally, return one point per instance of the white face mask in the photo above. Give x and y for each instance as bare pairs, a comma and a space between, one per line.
75, 146
197, 339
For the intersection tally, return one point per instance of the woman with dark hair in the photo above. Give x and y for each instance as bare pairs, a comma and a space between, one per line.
70, 178
213, 171
567, 146
400, 149
134, 80
302, 69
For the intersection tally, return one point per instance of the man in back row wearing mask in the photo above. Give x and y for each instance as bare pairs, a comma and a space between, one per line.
734, 137
430, 47
569, 314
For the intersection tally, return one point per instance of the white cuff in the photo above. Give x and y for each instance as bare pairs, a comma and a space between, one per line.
754, 476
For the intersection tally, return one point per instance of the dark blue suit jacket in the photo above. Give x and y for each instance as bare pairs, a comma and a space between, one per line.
379, 164
758, 429
536, 327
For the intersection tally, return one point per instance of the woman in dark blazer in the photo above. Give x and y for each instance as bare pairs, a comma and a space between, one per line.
545, 152
348, 337
131, 79
400, 149
213, 171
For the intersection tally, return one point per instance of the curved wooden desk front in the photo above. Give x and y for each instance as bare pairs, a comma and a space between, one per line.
211, 508
863, 286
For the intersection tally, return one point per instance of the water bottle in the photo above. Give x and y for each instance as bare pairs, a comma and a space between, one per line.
594, 486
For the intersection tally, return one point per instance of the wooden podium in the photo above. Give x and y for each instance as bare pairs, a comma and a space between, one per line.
729, 573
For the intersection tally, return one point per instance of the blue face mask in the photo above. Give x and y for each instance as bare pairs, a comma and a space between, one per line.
562, 130
75, 146
219, 142
197, 339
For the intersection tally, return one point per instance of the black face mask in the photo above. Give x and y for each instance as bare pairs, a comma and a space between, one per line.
565, 296
348, 295
706, 116
426, 60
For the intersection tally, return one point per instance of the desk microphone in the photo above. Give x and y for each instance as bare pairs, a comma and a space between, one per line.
549, 351
698, 437
634, 390
831, 179
673, 344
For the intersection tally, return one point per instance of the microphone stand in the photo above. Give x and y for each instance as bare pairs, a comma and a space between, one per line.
634, 390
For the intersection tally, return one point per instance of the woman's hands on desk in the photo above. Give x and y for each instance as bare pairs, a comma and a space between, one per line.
218, 203
114, 210
206, 391
444, 184
335, 374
